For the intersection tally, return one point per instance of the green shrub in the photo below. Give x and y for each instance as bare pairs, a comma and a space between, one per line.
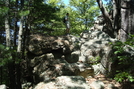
125, 60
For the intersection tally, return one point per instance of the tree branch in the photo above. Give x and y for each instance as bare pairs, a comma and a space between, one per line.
105, 15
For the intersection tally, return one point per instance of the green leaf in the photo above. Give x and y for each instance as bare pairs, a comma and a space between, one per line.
131, 80
7, 48
24, 13
2, 47
3, 10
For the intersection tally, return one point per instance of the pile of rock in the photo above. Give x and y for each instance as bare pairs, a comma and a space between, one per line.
67, 62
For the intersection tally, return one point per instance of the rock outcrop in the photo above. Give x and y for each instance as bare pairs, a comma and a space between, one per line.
51, 58
96, 48
65, 82
47, 68
39, 44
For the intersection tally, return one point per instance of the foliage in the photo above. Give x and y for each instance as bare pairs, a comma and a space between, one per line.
3, 10
8, 60
125, 60
95, 60
83, 13
24, 13
123, 76
7, 54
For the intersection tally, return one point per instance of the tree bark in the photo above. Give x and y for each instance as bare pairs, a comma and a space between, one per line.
7, 26
20, 35
116, 16
11, 68
127, 16
19, 48
20, 29
15, 25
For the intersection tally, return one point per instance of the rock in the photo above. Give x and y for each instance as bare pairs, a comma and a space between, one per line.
97, 84
111, 86
42, 85
39, 44
65, 82
84, 70
96, 49
70, 56
97, 68
3, 86
26, 85
56, 56
47, 68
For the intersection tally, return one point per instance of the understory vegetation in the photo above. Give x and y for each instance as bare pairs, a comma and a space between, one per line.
125, 59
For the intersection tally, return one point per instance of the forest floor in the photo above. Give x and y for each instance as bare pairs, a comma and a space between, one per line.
107, 82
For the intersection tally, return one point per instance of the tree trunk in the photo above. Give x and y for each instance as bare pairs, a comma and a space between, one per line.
1, 75
15, 25
11, 74
127, 16
116, 16
20, 35
107, 19
7, 26
19, 48
20, 29
11, 70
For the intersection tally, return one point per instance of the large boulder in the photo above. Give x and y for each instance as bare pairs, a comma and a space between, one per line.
62, 46
47, 68
65, 82
3, 86
95, 48
50, 57
39, 44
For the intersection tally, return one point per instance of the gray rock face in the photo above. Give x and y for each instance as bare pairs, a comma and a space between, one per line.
3, 86
95, 48
65, 82
47, 68
39, 44
97, 85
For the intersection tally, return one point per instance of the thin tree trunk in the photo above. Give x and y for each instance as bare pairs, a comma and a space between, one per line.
11, 68
15, 24
7, 28
18, 76
1, 75
116, 16
19, 48
20, 35
106, 16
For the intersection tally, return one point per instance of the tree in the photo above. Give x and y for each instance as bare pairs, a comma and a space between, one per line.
121, 24
7, 26
127, 16
20, 29
46, 12
8, 44
86, 11
122, 27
